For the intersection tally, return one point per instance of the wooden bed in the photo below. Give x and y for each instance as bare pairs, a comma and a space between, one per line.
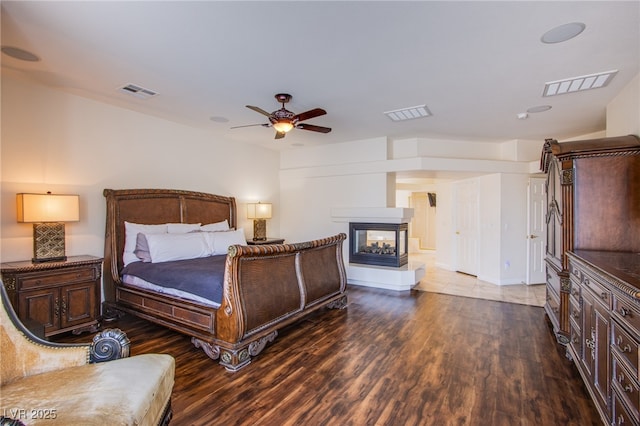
265, 287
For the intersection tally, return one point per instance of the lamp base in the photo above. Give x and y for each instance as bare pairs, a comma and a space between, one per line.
48, 242
259, 229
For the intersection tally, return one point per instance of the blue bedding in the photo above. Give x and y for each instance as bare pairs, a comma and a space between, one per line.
202, 276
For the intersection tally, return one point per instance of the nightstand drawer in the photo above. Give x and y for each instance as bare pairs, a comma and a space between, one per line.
57, 278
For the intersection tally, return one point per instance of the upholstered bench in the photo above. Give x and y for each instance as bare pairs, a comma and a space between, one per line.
63, 384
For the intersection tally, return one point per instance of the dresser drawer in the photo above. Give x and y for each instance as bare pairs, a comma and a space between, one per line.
575, 339
52, 278
553, 280
625, 346
626, 386
552, 307
575, 309
620, 415
627, 313
598, 290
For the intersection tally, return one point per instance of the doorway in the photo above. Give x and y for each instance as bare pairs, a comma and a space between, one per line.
423, 222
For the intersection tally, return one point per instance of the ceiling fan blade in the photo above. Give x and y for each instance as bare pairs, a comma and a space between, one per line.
317, 112
259, 110
251, 125
280, 135
313, 128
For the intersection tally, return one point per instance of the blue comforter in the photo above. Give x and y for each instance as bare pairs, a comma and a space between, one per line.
202, 276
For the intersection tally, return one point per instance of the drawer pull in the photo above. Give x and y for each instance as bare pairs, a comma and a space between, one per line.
624, 312
603, 296
626, 348
619, 341
620, 420
576, 314
627, 388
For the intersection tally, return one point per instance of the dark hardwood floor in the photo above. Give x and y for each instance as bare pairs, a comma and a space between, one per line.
411, 358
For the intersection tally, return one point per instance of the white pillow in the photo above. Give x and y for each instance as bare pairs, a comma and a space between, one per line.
131, 231
218, 226
182, 228
221, 240
167, 247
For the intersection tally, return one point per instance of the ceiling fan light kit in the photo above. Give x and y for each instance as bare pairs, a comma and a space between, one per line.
283, 120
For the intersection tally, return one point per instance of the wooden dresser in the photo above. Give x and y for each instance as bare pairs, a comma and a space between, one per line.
605, 330
593, 266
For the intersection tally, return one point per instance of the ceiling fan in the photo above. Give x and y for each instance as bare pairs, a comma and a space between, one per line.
284, 120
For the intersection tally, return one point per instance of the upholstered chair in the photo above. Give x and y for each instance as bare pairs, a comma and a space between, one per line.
45, 383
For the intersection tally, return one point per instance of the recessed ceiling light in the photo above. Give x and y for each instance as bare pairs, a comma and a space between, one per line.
410, 113
576, 84
563, 33
539, 108
21, 54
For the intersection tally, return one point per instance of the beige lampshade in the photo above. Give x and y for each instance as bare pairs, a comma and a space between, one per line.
259, 211
37, 208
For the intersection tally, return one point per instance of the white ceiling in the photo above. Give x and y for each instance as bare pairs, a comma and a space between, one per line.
476, 65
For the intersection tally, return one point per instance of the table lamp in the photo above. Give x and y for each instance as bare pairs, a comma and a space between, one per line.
259, 212
48, 212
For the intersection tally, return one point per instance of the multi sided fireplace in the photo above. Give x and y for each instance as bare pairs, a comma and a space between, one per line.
382, 244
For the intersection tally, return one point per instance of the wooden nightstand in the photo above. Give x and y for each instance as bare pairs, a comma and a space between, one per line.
267, 241
62, 296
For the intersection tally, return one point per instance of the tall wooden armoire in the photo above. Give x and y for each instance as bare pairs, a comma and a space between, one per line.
591, 205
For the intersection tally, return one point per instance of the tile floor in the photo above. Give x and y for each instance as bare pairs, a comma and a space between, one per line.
439, 280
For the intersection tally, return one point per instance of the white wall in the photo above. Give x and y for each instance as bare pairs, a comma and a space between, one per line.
310, 186
63, 143
623, 112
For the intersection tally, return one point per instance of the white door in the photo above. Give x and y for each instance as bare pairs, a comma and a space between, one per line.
536, 225
467, 220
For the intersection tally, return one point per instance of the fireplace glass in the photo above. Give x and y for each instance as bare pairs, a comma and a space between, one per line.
382, 244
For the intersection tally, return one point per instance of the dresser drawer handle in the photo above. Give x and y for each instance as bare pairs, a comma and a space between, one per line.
626, 348
604, 296
624, 312
620, 420
628, 388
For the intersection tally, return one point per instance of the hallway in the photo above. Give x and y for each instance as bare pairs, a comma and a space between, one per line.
438, 280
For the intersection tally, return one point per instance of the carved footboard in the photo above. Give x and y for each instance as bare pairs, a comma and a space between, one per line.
270, 286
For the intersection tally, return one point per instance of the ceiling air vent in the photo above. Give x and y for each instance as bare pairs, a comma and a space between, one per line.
410, 113
138, 92
577, 84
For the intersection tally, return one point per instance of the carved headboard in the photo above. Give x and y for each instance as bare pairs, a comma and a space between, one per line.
155, 206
